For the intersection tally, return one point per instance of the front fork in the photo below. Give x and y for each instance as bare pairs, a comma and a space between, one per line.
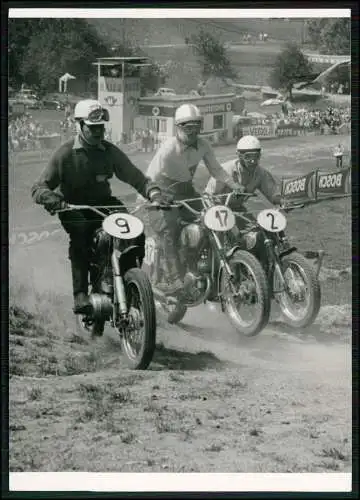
120, 304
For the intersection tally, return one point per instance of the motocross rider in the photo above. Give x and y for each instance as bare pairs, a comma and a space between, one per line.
173, 168
80, 171
247, 172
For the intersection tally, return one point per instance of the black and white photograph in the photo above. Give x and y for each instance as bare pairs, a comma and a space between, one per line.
180, 249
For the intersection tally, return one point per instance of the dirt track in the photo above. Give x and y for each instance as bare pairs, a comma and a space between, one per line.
280, 402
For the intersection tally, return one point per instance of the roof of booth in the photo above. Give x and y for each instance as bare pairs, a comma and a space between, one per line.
184, 97
110, 61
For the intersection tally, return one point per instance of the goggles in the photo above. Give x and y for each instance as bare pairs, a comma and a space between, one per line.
250, 156
190, 126
97, 116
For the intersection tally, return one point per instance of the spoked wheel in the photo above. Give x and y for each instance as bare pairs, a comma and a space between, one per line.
246, 299
300, 304
174, 311
139, 336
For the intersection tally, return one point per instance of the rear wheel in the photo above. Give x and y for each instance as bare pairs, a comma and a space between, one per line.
174, 312
138, 339
247, 300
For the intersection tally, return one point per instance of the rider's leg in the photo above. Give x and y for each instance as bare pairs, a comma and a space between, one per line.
166, 226
76, 224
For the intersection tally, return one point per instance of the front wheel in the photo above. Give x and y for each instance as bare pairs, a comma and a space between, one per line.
247, 300
138, 339
300, 304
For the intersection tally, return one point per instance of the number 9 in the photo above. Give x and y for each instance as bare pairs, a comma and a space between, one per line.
123, 224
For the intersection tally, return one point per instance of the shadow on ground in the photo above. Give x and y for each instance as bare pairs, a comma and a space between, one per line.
173, 359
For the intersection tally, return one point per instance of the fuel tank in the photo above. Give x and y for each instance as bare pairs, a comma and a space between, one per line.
192, 235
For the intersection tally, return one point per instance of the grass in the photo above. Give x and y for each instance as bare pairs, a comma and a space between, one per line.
144, 434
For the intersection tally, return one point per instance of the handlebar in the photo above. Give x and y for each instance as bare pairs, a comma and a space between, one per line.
204, 198
96, 208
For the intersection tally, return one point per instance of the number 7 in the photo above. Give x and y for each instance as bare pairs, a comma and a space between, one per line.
225, 214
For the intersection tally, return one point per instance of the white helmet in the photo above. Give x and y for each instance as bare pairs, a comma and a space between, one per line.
91, 112
187, 113
248, 143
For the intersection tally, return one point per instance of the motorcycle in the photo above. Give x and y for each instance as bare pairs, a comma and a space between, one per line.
216, 269
120, 292
293, 281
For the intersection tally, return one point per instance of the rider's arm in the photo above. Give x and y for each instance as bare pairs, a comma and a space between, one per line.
269, 186
127, 172
49, 179
216, 170
157, 165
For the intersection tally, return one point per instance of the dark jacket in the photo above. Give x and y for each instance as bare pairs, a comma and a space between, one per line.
82, 176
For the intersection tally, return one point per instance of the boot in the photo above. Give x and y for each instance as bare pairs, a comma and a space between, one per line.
82, 303
79, 270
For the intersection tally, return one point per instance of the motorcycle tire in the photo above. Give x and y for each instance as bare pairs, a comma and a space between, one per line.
246, 258
136, 280
313, 286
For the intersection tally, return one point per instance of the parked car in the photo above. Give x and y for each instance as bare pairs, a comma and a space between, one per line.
165, 92
52, 104
30, 100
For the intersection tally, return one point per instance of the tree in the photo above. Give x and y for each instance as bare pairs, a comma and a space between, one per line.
291, 66
330, 36
212, 55
44, 49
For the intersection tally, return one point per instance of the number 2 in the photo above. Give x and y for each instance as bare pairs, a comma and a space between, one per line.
272, 221
221, 220
124, 225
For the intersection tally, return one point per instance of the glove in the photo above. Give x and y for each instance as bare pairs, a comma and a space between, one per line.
239, 190
53, 202
158, 198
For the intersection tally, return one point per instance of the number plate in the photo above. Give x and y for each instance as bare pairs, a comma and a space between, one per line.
150, 247
219, 218
123, 226
272, 220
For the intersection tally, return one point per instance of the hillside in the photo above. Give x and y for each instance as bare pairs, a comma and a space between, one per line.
174, 31
251, 62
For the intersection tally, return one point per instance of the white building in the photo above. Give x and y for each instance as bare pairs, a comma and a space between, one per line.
119, 92
157, 113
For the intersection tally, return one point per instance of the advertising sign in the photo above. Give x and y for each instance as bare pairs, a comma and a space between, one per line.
299, 189
261, 131
335, 183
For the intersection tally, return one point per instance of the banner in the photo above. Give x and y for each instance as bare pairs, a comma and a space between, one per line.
261, 131
317, 185
288, 130
335, 183
299, 189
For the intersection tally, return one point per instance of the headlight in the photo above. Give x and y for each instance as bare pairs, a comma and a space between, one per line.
250, 239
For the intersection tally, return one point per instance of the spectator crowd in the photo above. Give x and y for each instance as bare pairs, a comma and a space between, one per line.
317, 120
309, 119
24, 133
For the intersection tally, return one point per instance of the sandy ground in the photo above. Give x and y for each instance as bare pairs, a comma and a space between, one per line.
210, 402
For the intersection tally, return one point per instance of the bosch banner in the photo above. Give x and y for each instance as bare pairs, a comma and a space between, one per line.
335, 183
299, 189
